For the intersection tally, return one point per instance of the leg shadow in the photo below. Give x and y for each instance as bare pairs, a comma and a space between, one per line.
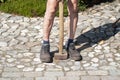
91, 3
98, 34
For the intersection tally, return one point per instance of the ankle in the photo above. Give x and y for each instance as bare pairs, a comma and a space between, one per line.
70, 41
46, 42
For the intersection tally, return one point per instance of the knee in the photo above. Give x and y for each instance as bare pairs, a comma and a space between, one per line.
73, 12
49, 14
51, 11
73, 6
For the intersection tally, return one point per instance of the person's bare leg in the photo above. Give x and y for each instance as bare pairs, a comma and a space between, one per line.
49, 18
48, 23
73, 14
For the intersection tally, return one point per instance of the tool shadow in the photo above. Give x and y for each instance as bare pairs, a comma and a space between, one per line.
96, 35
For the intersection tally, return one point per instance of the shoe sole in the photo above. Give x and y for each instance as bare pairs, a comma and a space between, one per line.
45, 61
76, 58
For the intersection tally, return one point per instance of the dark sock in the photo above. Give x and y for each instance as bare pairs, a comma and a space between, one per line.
45, 42
70, 41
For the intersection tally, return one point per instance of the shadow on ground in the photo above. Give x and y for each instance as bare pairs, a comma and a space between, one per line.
98, 34
91, 3
95, 35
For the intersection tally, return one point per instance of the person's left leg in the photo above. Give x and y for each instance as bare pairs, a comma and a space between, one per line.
73, 15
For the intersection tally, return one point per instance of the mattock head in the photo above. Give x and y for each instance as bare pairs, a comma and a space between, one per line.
60, 56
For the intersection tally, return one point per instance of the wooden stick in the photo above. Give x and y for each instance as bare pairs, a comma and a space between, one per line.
61, 26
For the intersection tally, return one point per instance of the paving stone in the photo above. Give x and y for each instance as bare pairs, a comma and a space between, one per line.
13, 25
32, 44
101, 57
8, 56
76, 73
110, 77
112, 64
22, 39
109, 55
66, 69
13, 42
10, 60
5, 34
86, 65
0, 71
40, 69
3, 30
28, 69
114, 72
19, 55
98, 51
28, 54
95, 60
114, 45
90, 78
46, 78
20, 48
110, 59
5, 79
54, 69
26, 60
22, 78
12, 74
55, 73
69, 78
91, 54
26, 19
117, 58
117, 54
98, 72
35, 49
10, 64
11, 69
95, 65
20, 66
108, 68
76, 67
33, 74
3, 44
36, 59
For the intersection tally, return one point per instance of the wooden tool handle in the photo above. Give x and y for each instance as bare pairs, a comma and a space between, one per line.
61, 26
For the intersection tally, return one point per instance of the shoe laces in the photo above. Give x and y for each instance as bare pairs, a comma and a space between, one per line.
46, 48
72, 46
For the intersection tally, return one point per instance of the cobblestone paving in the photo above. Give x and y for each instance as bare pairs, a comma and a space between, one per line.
96, 40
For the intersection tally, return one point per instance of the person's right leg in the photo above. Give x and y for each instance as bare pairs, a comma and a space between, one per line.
49, 18
48, 22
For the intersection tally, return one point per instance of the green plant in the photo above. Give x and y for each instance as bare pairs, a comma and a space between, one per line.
30, 8
2, 1
24, 7
82, 5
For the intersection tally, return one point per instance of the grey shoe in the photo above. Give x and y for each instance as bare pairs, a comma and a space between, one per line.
73, 53
45, 53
